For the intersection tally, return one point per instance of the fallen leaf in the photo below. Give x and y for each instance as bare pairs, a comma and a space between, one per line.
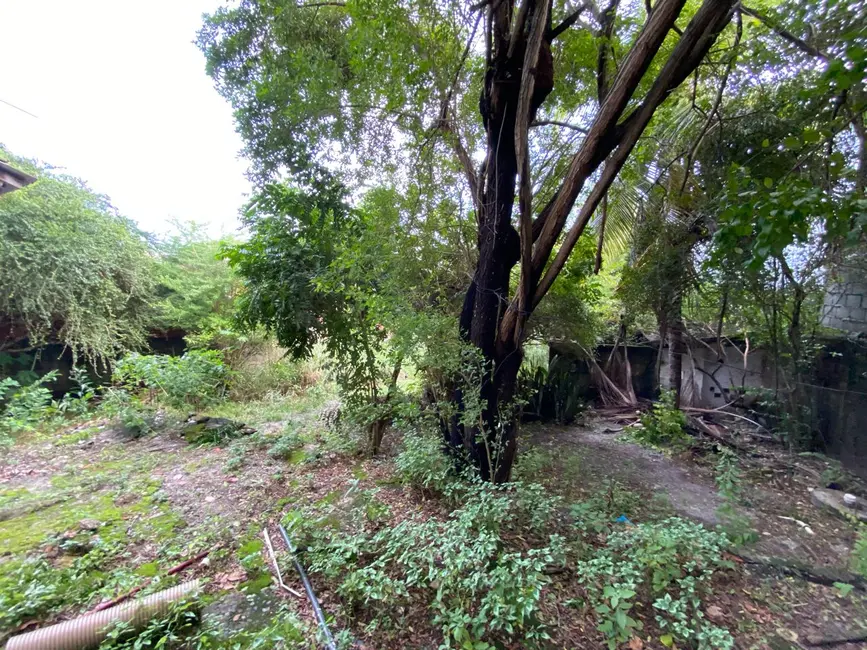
635, 643
715, 614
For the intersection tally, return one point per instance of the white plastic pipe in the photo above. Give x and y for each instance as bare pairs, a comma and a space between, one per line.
90, 630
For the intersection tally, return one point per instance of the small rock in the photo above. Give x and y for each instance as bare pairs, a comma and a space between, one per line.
89, 524
205, 562
210, 499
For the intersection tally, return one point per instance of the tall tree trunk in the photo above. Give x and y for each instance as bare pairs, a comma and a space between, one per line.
519, 76
676, 350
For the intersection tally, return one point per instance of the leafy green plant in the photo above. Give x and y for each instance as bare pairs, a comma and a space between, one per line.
32, 587
77, 401
74, 272
25, 406
422, 463
136, 417
858, 558
664, 424
605, 506
673, 562
729, 480
477, 588
286, 444
197, 378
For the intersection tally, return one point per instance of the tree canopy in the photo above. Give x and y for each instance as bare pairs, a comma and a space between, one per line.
73, 270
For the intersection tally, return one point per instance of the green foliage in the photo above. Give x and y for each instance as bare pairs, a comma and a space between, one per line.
858, 558
181, 627
73, 271
294, 238
672, 561
196, 289
571, 310
737, 526
197, 378
286, 444
24, 407
34, 588
262, 376
77, 401
422, 463
605, 506
664, 424
136, 417
478, 590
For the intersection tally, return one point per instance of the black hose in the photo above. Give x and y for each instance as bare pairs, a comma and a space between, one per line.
320, 617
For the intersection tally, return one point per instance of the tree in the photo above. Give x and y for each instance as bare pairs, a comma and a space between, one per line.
313, 85
196, 290
73, 271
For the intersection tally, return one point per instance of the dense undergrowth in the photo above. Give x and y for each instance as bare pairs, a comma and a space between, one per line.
474, 565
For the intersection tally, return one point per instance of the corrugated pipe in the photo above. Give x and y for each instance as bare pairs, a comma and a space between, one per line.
320, 617
90, 630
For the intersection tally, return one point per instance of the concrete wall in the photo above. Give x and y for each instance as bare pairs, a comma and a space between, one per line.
709, 381
845, 304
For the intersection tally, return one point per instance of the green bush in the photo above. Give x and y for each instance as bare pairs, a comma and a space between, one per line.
136, 417
478, 590
286, 444
664, 425
858, 557
25, 406
198, 378
422, 463
34, 588
673, 562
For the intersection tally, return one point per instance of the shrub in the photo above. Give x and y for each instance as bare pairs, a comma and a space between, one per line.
422, 463
136, 417
288, 442
478, 590
197, 378
270, 373
672, 562
33, 587
25, 406
664, 425
858, 557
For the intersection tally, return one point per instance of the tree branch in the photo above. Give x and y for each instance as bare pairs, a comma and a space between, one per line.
565, 125
800, 43
537, 19
687, 167
697, 39
570, 20
599, 141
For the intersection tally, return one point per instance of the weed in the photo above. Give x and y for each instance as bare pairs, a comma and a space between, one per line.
136, 417
286, 444
729, 480
858, 557
664, 425
478, 590
422, 463
673, 561
33, 588
25, 407
612, 501
197, 378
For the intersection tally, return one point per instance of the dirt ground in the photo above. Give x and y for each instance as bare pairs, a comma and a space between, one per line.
169, 500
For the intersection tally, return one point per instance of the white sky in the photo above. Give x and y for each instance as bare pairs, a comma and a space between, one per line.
123, 102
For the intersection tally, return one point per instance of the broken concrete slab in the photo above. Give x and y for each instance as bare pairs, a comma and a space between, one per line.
832, 501
237, 611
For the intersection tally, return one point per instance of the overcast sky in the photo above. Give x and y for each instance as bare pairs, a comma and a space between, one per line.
122, 100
